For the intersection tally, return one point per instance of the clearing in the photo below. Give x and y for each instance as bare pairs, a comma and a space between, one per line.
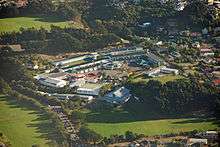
14, 24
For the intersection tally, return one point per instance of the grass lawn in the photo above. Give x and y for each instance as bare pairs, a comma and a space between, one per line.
118, 122
14, 24
162, 79
151, 127
23, 126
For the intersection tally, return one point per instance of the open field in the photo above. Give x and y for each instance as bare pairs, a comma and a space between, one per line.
151, 127
14, 24
23, 126
109, 123
162, 79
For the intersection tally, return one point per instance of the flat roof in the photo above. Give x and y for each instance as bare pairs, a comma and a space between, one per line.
91, 86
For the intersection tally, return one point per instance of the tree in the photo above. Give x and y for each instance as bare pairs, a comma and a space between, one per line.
4, 87
40, 7
130, 136
78, 116
88, 135
67, 11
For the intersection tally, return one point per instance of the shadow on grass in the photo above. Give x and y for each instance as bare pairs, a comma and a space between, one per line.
42, 123
195, 120
46, 129
46, 18
140, 114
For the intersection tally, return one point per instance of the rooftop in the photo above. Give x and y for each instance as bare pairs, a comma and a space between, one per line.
91, 86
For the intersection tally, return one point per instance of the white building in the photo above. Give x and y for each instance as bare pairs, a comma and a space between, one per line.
52, 82
78, 82
120, 95
209, 135
169, 70
192, 141
89, 89
162, 70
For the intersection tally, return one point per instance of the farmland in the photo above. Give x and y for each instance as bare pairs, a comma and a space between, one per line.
23, 126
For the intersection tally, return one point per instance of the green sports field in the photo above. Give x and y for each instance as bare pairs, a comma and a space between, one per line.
23, 126
151, 127
109, 123
14, 24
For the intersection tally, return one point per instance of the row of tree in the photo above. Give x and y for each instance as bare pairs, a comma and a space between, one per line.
59, 40
66, 10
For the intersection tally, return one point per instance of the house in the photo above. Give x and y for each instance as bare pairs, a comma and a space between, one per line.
120, 95
216, 82
212, 135
89, 89
210, 2
195, 34
159, 43
192, 141
21, 3
206, 52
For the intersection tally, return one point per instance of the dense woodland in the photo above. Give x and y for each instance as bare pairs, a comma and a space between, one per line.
181, 96
106, 22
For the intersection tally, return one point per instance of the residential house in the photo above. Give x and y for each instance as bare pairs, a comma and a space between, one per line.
206, 52
216, 82
193, 141
212, 135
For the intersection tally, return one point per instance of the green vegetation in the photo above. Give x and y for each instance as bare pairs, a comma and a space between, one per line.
162, 79
14, 24
4, 140
152, 127
23, 125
